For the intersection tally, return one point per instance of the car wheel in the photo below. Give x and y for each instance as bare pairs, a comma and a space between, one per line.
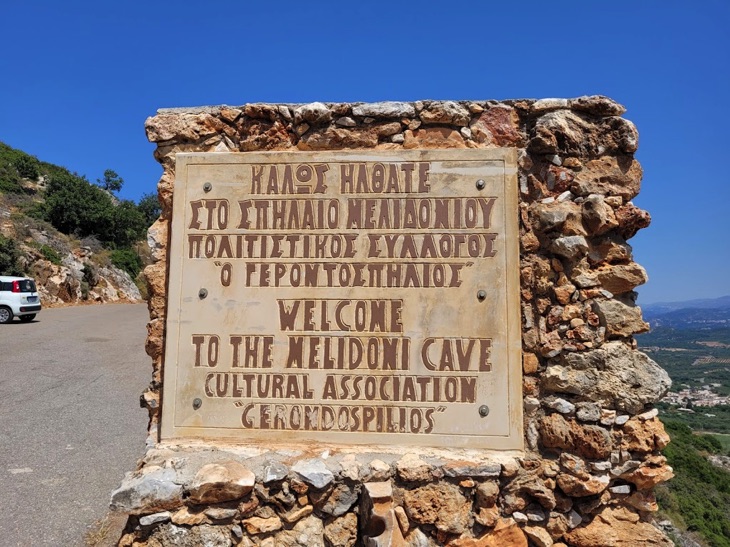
26, 318
6, 314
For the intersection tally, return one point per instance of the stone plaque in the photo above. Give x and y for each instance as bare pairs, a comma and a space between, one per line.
366, 297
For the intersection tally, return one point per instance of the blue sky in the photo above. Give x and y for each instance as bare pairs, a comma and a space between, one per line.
80, 77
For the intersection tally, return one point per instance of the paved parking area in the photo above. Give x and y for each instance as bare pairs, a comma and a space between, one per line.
70, 421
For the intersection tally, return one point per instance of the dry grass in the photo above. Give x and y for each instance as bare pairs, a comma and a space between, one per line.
107, 531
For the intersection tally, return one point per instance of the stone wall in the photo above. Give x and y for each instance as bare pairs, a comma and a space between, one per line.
592, 438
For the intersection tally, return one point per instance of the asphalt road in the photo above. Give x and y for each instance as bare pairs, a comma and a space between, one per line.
70, 421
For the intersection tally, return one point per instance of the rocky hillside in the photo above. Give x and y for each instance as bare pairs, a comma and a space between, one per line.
66, 271
84, 265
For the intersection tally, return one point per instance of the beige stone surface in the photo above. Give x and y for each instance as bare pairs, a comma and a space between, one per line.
579, 487
260, 525
588, 441
411, 468
219, 482
505, 533
379, 523
616, 527
342, 530
189, 517
442, 505
654, 470
622, 277
308, 532
321, 296
644, 436
538, 535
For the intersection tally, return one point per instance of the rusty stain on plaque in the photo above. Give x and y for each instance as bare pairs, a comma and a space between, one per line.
345, 297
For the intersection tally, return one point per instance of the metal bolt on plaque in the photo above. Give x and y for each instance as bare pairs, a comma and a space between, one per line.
207, 187
481, 295
197, 403
483, 411
202, 293
481, 184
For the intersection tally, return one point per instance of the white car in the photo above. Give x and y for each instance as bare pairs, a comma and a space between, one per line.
18, 296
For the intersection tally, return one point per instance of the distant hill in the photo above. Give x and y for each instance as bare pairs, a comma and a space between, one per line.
701, 303
690, 314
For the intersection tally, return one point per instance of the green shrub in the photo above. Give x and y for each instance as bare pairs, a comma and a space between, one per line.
27, 166
127, 260
84, 290
50, 254
128, 225
9, 255
10, 186
90, 276
75, 206
150, 207
9, 177
699, 492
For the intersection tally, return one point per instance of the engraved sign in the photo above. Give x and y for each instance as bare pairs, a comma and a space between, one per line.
365, 297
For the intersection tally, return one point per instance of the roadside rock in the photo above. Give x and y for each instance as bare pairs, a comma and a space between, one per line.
524, 488
609, 176
651, 472
313, 113
152, 491
575, 487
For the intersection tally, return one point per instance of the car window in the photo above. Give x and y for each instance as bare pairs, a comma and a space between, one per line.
24, 285
27, 285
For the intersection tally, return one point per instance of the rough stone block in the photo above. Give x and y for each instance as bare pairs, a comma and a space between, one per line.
590, 441
219, 482
614, 376
442, 505
313, 472
619, 318
152, 490
617, 527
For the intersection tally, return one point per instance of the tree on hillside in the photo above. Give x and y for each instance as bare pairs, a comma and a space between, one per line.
128, 225
149, 206
74, 206
27, 166
111, 181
